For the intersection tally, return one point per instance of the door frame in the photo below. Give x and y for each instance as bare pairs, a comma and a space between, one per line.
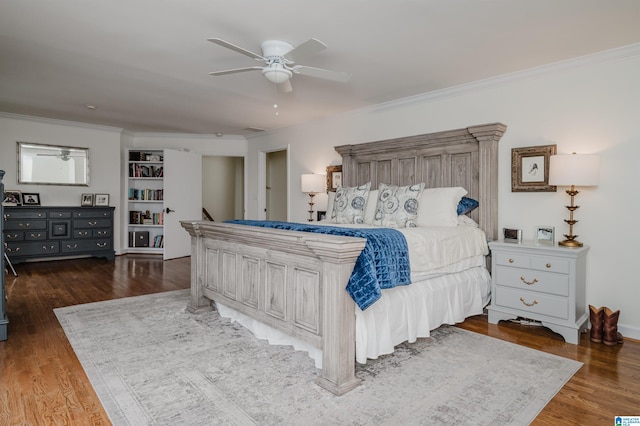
262, 180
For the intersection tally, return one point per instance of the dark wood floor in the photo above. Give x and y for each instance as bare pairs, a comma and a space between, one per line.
42, 382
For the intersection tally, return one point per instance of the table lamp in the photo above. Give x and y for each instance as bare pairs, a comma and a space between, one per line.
573, 170
312, 184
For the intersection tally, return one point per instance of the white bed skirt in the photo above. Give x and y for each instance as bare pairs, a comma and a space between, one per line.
402, 314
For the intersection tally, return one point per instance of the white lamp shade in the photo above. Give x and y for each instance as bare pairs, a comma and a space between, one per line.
574, 169
313, 183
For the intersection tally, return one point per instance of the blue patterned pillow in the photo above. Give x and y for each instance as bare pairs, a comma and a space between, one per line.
349, 204
467, 205
397, 206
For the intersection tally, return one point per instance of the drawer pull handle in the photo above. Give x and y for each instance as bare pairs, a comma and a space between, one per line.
93, 223
548, 265
12, 250
36, 235
535, 280
48, 248
12, 236
535, 302
511, 260
69, 246
24, 225
83, 233
101, 245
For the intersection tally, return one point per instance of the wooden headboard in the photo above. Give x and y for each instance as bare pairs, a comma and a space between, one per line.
463, 157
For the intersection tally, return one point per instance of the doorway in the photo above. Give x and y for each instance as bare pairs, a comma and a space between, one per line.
276, 169
223, 187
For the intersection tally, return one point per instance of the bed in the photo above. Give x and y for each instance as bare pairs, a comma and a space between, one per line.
294, 282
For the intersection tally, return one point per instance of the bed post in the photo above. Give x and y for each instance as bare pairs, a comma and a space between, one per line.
198, 303
488, 136
338, 315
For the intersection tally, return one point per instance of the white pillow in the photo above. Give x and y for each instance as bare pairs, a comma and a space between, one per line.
349, 204
370, 209
439, 206
397, 206
330, 197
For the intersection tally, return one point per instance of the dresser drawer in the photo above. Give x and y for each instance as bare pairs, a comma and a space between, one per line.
33, 248
35, 235
13, 236
532, 302
533, 280
92, 213
551, 264
26, 214
91, 223
513, 259
24, 224
102, 233
78, 246
53, 214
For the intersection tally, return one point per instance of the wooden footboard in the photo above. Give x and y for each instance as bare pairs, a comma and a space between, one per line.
292, 281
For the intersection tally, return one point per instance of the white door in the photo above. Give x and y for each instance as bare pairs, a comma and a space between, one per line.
276, 185
182, 199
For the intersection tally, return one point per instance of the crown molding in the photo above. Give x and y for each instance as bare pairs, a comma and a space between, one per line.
606, 56
45, 120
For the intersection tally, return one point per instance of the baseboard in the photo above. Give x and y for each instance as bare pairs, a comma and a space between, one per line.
629, 332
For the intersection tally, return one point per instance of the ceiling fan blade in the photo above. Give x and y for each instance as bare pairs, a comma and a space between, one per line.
341, 77
285, 86
307, 48
235, 48
235, 70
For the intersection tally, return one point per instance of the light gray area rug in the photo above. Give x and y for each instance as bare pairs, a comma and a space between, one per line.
152, 362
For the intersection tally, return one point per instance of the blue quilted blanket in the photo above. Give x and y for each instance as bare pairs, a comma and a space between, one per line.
383, 263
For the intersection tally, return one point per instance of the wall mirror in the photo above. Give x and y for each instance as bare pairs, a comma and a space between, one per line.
52, 164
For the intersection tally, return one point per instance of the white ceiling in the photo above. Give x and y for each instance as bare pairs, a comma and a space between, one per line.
144, 63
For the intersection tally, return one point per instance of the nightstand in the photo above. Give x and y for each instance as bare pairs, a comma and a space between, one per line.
543, 283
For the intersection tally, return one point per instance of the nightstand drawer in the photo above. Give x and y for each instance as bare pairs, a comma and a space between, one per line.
513, 259
550, 264
533, 280
535, 303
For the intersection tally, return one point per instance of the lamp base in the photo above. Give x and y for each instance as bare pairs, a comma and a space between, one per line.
570, 243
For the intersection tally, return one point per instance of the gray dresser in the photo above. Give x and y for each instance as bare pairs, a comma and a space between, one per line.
541, 283
47, 231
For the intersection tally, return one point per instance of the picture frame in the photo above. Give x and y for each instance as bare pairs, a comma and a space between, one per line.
530, 168
86, 200
11, 197
321, 215
30, 199
101, 200
545, 235
334, 178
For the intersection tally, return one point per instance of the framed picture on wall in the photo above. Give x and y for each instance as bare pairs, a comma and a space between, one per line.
334, 178
530, 168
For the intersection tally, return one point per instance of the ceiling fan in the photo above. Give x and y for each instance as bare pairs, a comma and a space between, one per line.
280, 60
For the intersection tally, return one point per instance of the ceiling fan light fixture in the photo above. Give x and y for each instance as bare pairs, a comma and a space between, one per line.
277, 74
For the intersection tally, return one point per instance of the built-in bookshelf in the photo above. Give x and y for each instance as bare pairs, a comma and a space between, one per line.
145, 203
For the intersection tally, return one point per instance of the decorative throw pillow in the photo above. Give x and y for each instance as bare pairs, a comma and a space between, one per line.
349, 204
439, 206
397, 206
467, 205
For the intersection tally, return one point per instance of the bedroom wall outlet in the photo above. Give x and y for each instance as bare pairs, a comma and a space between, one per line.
512, 235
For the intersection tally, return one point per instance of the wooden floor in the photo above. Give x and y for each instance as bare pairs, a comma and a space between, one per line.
42, 382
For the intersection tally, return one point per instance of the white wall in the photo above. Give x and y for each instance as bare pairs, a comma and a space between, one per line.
108, 162
587, 106
104, 159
